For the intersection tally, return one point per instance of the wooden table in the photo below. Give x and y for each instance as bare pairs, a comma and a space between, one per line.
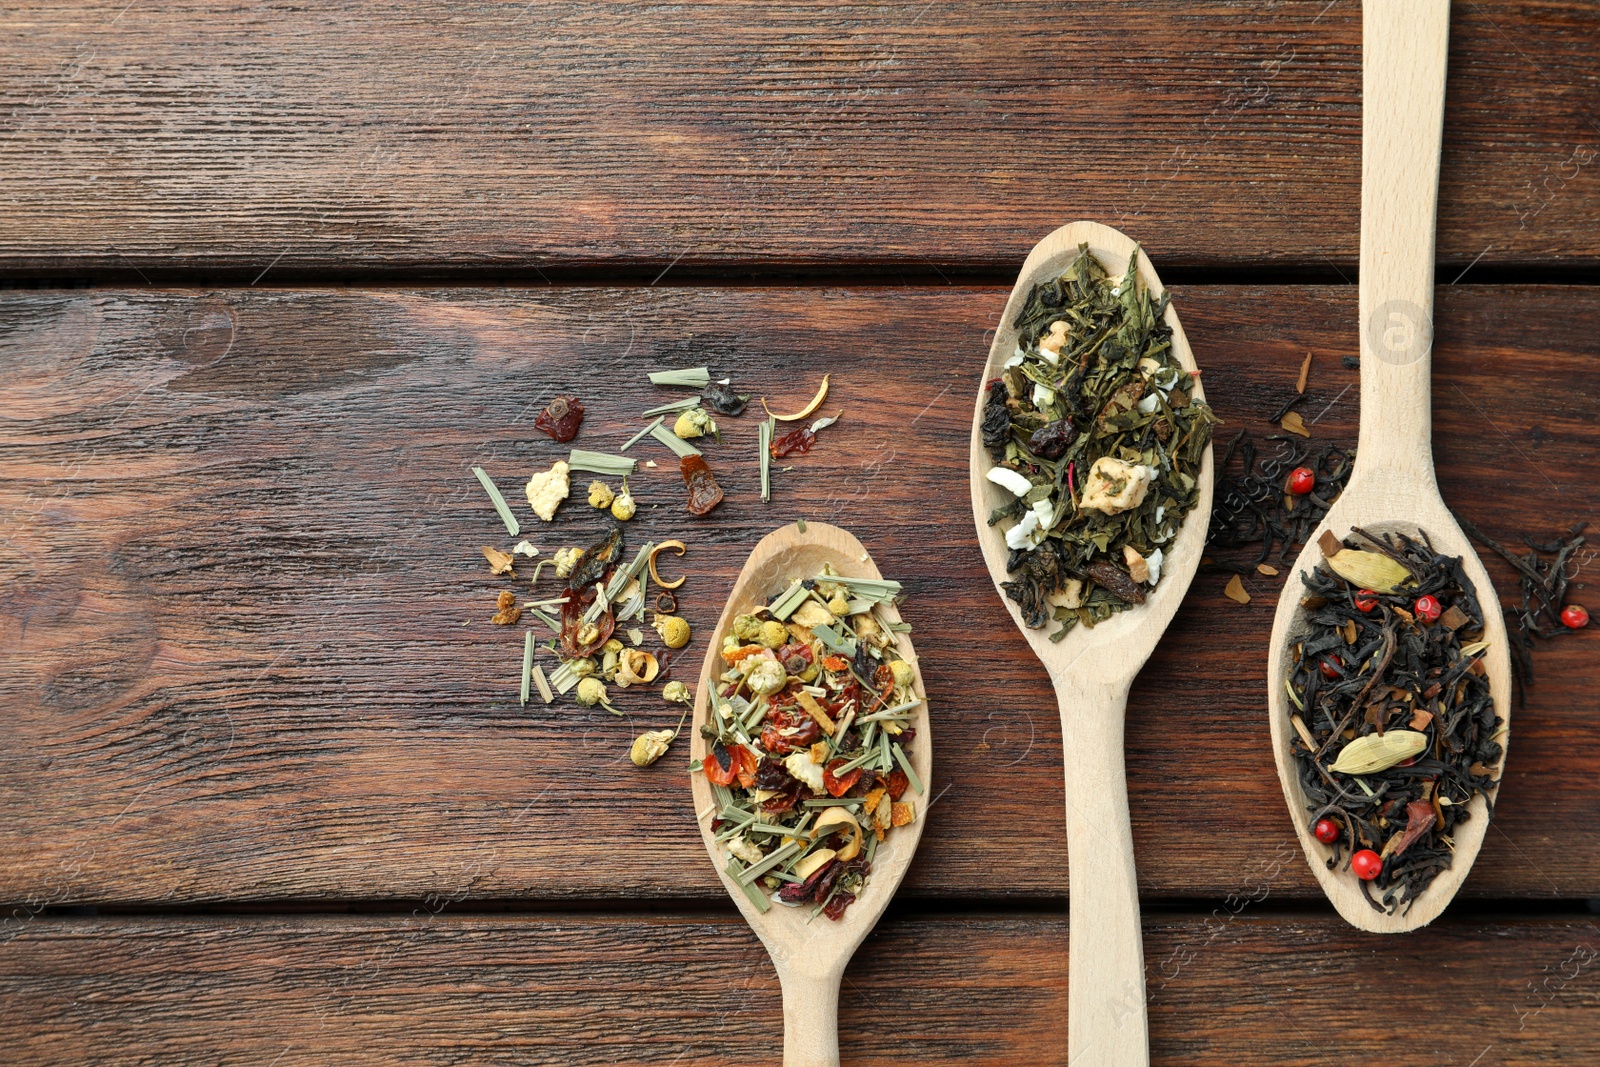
278, 276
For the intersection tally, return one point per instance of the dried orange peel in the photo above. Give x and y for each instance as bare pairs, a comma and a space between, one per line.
816, 402
655, 575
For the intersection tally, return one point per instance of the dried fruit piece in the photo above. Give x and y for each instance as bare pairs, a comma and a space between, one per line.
816, 402
704, 493
794, 441
561, 418
499, 562
547, 489
655, 576
1234, 590
508, 612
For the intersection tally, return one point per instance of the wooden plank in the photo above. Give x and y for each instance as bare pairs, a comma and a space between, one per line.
443, 138
573, 989
244, 641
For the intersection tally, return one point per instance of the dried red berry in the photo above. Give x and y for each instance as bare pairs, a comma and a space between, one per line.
1329, 669
1366, 600
1366, 864
1575, 616
1302, 480
1326, 831
1428, 609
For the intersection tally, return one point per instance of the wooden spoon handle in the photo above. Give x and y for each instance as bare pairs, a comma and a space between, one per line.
1402, 116
1105, 980
810, 1017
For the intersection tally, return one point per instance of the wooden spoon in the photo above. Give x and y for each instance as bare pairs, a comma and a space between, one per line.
1392, 487
1092, 671
810, 957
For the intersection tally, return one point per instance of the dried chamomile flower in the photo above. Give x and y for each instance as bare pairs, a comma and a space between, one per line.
677, 693
902, 671
623, 507
673, 629
766, 677
591, 691
747, 628
566, 559
582, 668
695, 422
774, 634
547, 489
650, 746
600, 495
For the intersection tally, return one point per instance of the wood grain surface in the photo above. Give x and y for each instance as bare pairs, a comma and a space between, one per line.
291, 141
244, 639
1225, 990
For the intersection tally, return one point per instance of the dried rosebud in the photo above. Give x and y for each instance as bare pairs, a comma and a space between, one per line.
650, 746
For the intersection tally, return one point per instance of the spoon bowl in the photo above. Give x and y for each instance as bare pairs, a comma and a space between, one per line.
1092, 670
810, 957
1392, 487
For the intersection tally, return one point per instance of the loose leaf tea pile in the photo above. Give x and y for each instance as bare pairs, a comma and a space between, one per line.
1395, 727
809, 731
1542, 579
1095, 432
1255, 517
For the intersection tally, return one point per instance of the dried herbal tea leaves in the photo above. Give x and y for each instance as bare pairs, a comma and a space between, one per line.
809, 746
1097, 437
1392, 714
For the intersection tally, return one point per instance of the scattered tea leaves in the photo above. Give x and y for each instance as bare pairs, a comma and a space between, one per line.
1295, 424
1305, 374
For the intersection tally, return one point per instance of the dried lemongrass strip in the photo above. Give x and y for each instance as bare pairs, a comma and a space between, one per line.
905, 765
599, 463
642, 434
674, 442
499, 502
527, 665
736, 871
677, 405
764, 442
543, 683
688, 377
791, 599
